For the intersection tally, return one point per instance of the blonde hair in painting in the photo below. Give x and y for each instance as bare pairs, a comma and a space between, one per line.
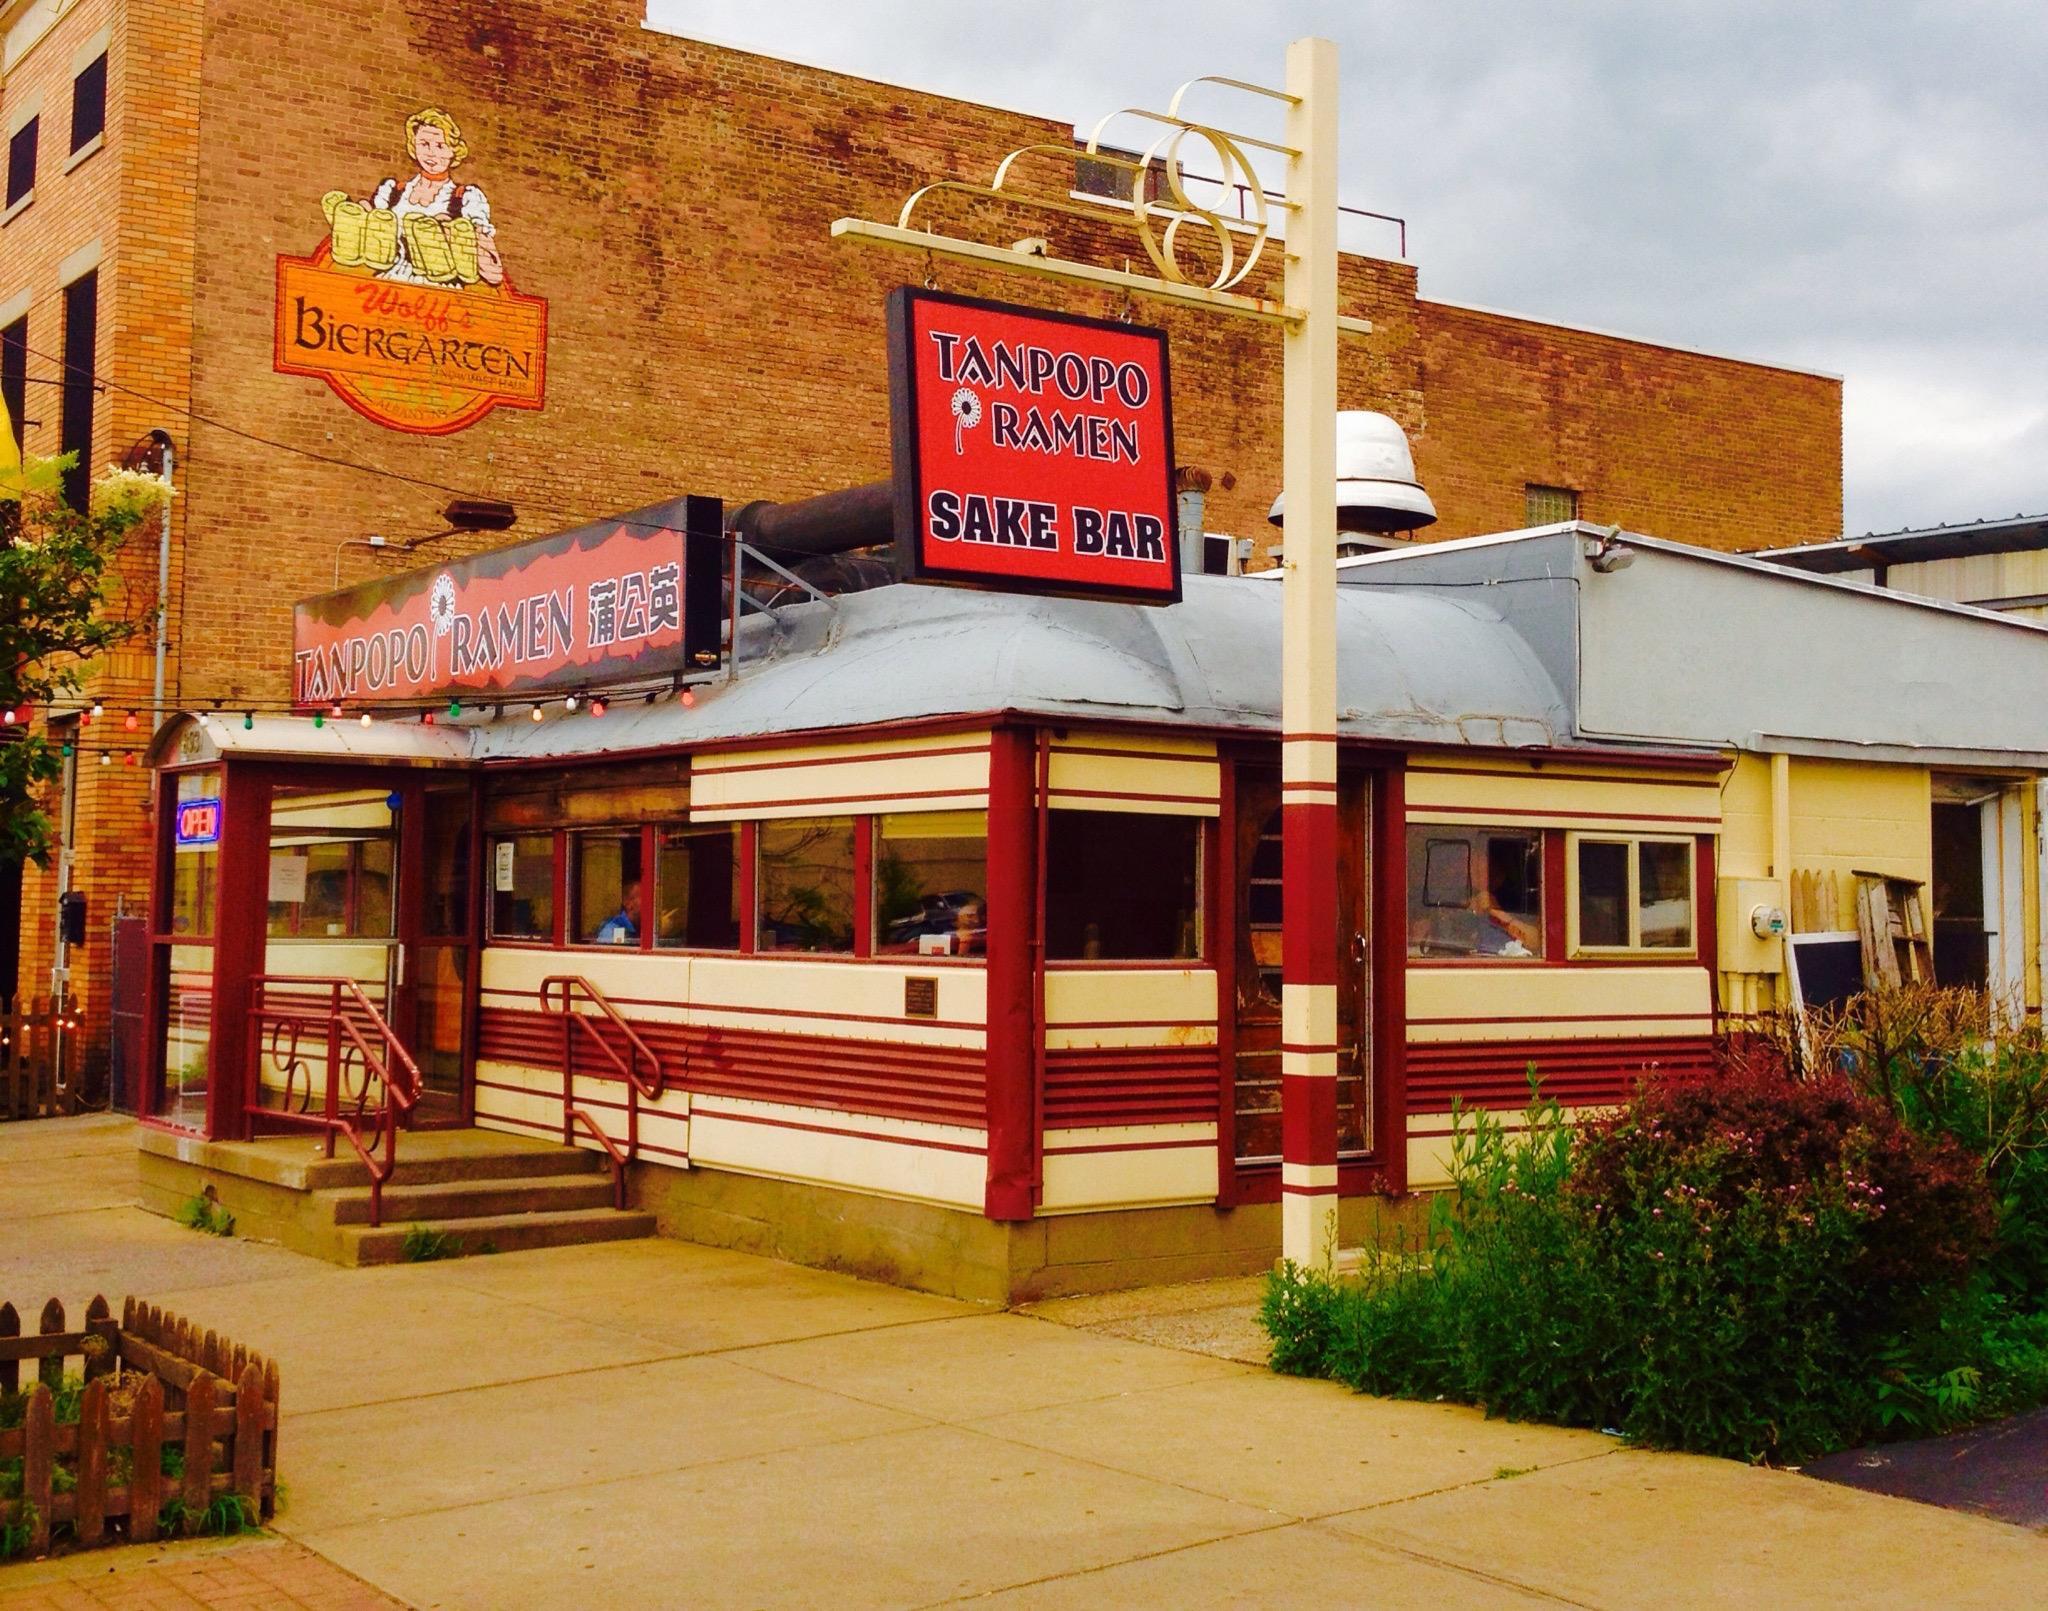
426, 115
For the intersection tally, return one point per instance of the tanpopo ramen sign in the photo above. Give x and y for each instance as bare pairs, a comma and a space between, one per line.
599, 604
1033, 450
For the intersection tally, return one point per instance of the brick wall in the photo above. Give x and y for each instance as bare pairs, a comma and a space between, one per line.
672, 200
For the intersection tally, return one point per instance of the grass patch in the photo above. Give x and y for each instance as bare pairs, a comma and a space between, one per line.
423, 1244
205, 1214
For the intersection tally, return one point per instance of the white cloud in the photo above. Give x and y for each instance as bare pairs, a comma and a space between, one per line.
1850, 185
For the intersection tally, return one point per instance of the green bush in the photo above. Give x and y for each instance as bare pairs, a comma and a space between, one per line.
1749, 1265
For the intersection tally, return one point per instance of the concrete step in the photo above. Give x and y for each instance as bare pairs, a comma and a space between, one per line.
476, 1199
496, 1233
534, 1161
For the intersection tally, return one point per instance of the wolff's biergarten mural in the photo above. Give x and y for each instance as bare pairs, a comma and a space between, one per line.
406, 309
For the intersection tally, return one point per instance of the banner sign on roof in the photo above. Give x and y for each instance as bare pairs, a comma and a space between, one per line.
1033, 450
604, 603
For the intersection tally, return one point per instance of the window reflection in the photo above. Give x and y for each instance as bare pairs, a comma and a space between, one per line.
931, 871
1474, 892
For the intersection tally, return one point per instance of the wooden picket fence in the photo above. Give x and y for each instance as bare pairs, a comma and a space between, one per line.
29, 1072
151, 1382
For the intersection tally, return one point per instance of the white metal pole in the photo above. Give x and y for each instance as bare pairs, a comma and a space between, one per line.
1308, 697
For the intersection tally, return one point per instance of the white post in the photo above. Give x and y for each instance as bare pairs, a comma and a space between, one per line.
1308, 698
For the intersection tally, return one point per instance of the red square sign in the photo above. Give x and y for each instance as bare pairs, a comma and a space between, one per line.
1033, 450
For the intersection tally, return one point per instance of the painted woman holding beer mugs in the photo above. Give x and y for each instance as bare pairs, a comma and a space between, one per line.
429, 229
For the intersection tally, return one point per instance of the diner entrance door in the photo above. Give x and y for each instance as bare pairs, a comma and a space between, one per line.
1257, 934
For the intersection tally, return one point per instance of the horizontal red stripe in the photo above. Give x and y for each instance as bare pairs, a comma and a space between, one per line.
1547, 775
970, 791
1191, 1143
858, 1135
1578, 1073
773, 1012
1066, 792
1574, 1018
1093, 1086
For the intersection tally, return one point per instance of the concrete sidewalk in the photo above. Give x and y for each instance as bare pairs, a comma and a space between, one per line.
656, 1423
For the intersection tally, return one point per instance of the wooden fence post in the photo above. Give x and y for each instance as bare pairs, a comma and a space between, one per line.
10, 1369
276, 1422
198, 1449
89, 1513
146, 1468
101, 1356
249, 1437
52, 1368
38, 1456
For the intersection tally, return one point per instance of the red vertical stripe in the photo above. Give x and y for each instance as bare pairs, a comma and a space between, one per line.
242, 895
750, 920
1554, 895
1223, 931
1308, 1120
1012, 1029
1390, 976
864, 886
1308, 891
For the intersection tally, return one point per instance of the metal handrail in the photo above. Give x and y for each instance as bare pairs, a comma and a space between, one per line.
628, 1067
589, 1122
341, 1022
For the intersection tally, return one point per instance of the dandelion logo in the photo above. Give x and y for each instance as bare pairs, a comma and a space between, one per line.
441, 611
966, 414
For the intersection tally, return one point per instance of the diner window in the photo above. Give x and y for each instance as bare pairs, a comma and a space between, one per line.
21, 161
931, 878
1474, 892
1122, 886
1633, 894
609, 888
804, 894
447, 871
523, 887
335, 889
697, 888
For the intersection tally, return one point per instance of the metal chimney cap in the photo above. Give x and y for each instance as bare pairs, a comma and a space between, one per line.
1376, 485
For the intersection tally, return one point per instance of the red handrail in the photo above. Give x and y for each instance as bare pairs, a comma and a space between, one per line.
344, 1011
628, 1066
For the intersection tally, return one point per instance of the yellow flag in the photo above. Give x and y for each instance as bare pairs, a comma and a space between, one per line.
10, 457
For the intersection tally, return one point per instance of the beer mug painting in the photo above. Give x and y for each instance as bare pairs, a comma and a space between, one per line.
406, 310
426, 229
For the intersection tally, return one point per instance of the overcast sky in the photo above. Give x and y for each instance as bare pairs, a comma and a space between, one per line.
1859, 187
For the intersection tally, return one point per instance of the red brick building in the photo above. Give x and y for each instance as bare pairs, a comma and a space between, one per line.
660, 309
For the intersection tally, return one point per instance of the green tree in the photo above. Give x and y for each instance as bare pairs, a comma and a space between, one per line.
56, 617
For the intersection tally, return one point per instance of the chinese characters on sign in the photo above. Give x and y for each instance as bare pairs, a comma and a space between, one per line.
602, 603
1033, 451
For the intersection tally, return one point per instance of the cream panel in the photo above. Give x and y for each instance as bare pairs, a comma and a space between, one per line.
823, 1147
1084, 997
1112, 1035
832, 998
840, 779
1517, 1003
365, 961
1166, 787
1745, 849
538, 1101
1535, 799
1150, 1178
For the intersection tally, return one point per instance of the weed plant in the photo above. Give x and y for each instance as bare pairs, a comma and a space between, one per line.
423, 1244
204, 1214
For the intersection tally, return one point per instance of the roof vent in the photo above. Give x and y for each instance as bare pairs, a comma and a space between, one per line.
1376, 486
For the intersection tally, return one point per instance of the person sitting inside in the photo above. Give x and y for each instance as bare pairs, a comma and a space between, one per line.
623, 926
1503, 933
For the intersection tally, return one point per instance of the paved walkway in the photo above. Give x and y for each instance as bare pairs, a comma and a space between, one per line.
656, 1423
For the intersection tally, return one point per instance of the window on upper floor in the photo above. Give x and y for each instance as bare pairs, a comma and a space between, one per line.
89, 103
14, 375
21, 160
1546, 506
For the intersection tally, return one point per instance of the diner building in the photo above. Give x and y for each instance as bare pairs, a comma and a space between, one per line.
938, 936
369, 281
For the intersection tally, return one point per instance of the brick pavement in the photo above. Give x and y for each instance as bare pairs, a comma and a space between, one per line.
237, 1575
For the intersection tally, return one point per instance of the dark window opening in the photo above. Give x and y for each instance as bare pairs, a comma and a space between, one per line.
697, 888
81, 346
1122, 886
523, 887
89, 103
21, 161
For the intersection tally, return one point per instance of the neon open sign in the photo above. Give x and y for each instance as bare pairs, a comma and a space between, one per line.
199, 822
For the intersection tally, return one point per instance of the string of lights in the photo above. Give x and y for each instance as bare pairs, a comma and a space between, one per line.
589, 702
